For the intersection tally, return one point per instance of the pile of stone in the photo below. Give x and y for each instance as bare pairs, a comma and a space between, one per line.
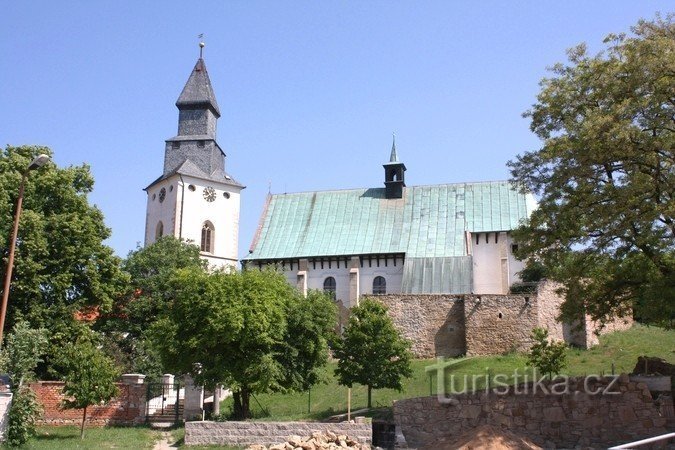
317, 441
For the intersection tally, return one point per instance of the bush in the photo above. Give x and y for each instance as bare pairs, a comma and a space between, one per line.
548, 357
23, 414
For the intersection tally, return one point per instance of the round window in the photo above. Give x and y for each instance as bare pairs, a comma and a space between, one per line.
226, 194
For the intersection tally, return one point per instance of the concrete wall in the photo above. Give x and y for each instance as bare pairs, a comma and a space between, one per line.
434, 323
267, 433
552, 421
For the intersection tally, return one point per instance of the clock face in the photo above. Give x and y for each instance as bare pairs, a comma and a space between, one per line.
209, 194
162, 195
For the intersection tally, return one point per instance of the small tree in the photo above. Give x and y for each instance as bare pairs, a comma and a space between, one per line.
22, 352
547, 356
371, 351
89, 377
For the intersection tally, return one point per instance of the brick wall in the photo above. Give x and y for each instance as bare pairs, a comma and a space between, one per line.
128, 408
568, 420
267, 433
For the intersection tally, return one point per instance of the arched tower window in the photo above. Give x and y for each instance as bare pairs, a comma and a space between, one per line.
379, 285
159, 232
329, 287
208, 236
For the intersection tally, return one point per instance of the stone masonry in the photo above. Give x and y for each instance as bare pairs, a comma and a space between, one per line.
624, 413
267, 433
453, 325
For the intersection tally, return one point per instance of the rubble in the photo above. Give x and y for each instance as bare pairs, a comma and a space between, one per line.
317, 441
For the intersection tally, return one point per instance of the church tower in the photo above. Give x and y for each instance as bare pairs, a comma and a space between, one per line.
394, 174
195, 199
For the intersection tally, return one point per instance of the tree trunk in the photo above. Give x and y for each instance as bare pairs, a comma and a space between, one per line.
245, 406
370, 392
236, 396
84, 419
216, 400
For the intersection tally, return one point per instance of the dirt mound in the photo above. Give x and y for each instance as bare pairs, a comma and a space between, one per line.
485, 437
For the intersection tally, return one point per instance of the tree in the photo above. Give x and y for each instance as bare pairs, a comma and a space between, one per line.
23, 350
61, 265
548, 357
89, 377
236, 328
147, 298
371, 351
605, 226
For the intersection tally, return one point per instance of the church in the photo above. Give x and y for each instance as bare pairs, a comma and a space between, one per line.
441, 257
195, 199
436, 239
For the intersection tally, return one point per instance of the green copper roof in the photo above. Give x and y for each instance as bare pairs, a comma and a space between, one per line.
429, 221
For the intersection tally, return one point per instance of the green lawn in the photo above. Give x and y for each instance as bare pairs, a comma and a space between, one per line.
58, 438
620, 348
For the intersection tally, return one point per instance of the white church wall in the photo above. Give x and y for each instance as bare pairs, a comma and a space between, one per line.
515, 266
392, 274
164, 211
182, 203
494, 267
223, 213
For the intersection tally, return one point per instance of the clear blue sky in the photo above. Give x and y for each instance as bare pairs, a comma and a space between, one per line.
309, 91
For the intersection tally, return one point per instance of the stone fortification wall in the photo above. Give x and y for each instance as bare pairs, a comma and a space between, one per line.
267, 433
433, 323
453, 325
553, 421
499, 323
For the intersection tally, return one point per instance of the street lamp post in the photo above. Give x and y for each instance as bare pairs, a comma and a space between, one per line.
40, 161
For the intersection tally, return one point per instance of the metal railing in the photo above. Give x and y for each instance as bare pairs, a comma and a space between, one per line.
650, 440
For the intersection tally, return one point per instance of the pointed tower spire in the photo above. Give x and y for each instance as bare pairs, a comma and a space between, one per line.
198, 93
393, 157
394, 174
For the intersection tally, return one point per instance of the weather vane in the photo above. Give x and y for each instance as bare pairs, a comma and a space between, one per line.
201, 44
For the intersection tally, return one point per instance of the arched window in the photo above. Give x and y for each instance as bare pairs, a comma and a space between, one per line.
329, 287
208, 236
379, 285
159, 232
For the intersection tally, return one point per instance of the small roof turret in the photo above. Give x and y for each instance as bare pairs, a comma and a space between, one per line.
198, 92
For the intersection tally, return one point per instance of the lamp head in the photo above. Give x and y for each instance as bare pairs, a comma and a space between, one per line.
39, 161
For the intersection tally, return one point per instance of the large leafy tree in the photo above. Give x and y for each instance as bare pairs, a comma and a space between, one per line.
605, 176
148, 297
62, 265
371, 351
250, 330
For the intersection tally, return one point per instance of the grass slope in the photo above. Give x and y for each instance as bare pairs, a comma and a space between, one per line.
620, 348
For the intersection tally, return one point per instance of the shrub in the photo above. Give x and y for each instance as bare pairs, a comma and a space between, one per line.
23, 414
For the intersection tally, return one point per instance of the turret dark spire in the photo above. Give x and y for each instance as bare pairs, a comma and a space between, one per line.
393, 157
198, 114
198, 93
394, 174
